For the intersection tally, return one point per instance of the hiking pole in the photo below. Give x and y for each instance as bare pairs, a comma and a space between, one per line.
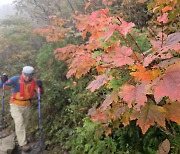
4, 78
2, 110
39, 117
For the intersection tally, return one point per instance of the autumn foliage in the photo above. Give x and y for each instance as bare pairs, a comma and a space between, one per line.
148, 88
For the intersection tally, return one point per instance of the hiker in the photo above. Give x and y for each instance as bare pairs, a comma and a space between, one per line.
23, 87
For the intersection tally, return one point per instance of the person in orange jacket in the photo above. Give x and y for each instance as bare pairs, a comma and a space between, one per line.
23, 87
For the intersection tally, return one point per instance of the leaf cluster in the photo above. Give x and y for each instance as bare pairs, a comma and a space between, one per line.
131, 72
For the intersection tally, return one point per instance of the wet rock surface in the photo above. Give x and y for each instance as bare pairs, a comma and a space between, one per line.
35, 149
8, 145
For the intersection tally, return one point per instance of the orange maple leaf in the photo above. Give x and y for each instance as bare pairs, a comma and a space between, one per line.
100, 69
141, 1
108, 131
55, 32
65, 53
87, 5
166, 8
113, 97
142, 74
173, 110
136, 94
81, 64
107, 2
148, 116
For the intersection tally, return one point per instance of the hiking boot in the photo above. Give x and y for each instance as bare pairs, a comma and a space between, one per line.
9, 151
25, 148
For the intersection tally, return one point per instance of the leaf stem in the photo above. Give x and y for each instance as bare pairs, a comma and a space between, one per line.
164, 130
162, 30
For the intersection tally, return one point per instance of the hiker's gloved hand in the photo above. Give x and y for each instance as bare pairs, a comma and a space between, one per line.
4, 78
39, 83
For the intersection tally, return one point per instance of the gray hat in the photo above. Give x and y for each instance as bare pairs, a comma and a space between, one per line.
28, 70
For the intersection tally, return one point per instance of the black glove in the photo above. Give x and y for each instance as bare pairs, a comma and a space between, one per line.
4, 78
39, 83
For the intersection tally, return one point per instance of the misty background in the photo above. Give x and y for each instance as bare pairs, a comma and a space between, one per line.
7, 10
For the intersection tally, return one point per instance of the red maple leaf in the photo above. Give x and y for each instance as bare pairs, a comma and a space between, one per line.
168, 62
93, 17
169, 85
125, 27
147, 60
107, 57
162, 36
98, 82
121, 56
163, 18
163, 51
128, 94
173, 39
110, 31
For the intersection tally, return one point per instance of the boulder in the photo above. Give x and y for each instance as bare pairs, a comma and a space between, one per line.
7, 144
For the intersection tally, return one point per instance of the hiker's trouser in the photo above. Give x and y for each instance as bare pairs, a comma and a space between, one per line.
20, 114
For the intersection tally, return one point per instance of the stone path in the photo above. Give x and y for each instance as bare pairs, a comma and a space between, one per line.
8, 145
34, 150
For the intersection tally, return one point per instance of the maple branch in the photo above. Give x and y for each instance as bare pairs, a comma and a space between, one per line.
71, 6
171, 128
130, 46
119, 20
136, 44
162, 34
128, 42
151, 97
129, 80
152, 32
162, 26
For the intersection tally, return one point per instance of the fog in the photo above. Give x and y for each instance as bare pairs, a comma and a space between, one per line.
6, 8
3, 2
